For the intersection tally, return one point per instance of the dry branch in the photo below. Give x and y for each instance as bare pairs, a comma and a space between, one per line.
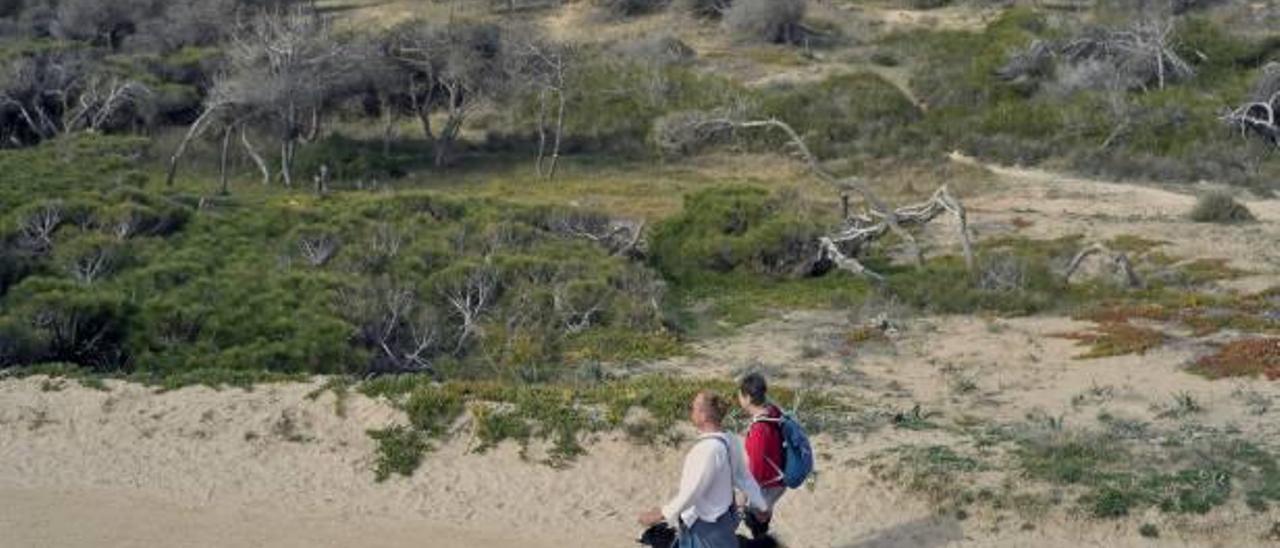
1261, 115
1124, 268
857, 231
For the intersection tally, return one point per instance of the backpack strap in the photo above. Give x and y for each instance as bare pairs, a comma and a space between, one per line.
728, 456
777, 422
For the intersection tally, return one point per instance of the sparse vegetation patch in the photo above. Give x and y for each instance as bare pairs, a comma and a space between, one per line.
1243, 358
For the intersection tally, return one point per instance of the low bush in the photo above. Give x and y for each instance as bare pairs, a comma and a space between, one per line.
71, 323
115, 277
736, 228
639, 91
1242, 358
630, 8
772, 21
858, 112
703, 9
349, 161
559, 413
1220, 207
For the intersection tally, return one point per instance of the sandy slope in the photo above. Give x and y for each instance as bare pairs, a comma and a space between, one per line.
182, 470
80, 467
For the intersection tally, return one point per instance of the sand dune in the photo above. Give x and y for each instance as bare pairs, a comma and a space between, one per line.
273, 468
198, 467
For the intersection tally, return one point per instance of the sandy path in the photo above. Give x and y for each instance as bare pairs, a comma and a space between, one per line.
221, 458
124, 518
176, 469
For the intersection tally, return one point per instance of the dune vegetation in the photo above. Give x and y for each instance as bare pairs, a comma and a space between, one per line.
513, 210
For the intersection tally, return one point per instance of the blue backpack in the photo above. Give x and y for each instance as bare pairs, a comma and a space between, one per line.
796, 451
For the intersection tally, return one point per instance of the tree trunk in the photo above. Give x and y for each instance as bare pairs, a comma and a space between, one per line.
253, 154
555, 147
388, 122
542, 130
313, 131
442, 145
182, 146
424, 116
452, 125
286, 162
222, 164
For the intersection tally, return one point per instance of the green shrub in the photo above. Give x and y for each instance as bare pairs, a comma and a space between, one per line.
348, 160
400, 451
731, 228
617, 98
1220, 207
843, 112
73, 323
18, 343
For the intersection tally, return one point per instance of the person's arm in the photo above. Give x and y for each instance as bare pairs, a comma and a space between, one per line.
694, 478
745, 482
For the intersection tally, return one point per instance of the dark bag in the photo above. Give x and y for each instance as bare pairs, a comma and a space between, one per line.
658, 535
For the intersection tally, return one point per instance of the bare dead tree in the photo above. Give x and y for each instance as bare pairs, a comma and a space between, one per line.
578, 305
386, 241
1123, 267
92, 264
37, 228
54, 93
101, 100
856, 231
222, 163
545, 66
1141, 55
392, 320
1260, 116
618, 236
318, 249
282, 67
470, 295
212, 107
252, 152
454, 68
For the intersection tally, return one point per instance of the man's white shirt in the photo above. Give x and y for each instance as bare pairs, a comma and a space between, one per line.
705, 492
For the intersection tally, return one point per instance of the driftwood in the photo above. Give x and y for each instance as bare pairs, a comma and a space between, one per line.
856, 231
1124, 268
1143, 54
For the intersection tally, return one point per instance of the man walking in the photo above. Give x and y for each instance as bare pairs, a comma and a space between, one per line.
703, 510
764, 448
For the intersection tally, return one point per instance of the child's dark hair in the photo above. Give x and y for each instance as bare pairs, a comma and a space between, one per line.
754, 388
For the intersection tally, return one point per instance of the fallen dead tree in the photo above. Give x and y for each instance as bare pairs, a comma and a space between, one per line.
1261, 116
856, 232
1140, 56
1121, 266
